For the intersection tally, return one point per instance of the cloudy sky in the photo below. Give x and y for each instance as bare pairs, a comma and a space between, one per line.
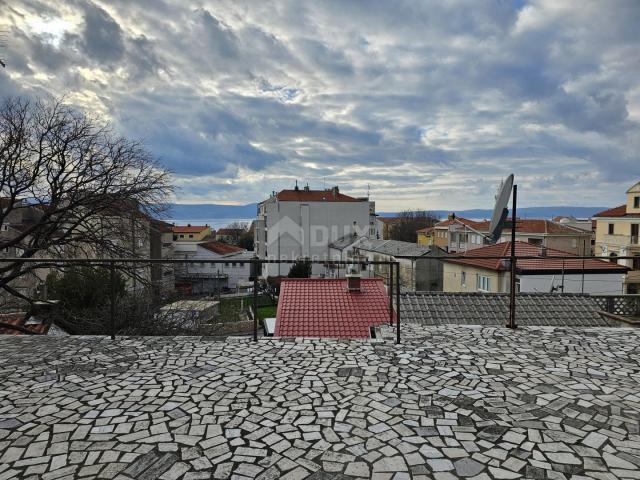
428, 103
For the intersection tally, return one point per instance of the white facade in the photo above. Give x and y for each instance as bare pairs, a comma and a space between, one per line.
237, 272
593, 283
292, 229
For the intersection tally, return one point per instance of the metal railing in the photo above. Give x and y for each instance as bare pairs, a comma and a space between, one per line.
570, 264
115, 265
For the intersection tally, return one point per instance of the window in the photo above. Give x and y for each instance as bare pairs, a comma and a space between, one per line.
613, 257
535, 241
574, 243
636, 202
611, 228
483, 283
463, 279
181, 236
636, 261
190, 236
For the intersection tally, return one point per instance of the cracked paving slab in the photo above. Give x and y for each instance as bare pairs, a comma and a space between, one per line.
450, 402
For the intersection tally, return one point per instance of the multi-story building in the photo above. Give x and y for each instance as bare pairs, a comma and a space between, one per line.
302, 223
617, 234
191, 233
208, 278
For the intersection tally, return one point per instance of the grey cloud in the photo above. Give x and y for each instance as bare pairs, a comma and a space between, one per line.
102, 36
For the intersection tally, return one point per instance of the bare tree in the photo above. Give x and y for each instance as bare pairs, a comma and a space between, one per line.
411, 221
70, 187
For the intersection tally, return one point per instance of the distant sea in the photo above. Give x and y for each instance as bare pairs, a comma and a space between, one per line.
215, 223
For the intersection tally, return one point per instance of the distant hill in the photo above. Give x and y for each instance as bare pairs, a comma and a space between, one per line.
525, 212
207, 211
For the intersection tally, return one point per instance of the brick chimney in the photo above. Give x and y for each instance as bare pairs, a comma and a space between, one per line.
353, 279
335, 191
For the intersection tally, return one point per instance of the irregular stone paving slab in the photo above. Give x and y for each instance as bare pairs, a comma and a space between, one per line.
449, 402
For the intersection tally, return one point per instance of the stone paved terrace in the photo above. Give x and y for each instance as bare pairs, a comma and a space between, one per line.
451, 402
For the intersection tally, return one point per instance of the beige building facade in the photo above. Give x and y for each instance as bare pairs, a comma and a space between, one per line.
618, 234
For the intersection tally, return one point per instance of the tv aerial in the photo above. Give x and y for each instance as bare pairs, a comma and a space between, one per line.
3, 45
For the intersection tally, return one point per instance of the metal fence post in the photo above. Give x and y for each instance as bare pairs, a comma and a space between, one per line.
255, 300
512, 289
112, 298
397, 302
390, 265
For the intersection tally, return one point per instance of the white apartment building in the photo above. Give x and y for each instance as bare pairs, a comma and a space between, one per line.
302, 223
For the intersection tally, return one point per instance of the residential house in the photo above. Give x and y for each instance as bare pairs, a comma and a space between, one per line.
458, 235
209, 278
333, 308
586, 224
302, 223
544, 274
425, 236
191, 233
161, 248
617, 234
230, 235
418, 268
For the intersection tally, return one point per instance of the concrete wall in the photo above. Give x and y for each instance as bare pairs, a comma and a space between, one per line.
463, 278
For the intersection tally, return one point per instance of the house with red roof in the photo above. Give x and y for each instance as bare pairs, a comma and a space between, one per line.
548, 273
458, 235
331, 307
191, 233
19, 323
618, 234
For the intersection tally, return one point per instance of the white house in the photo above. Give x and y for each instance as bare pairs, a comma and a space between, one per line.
207, 277
302, 223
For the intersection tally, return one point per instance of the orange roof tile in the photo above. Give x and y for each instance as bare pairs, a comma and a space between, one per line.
221, 248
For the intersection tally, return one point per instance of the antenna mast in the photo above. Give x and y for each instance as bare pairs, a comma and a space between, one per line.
3, 44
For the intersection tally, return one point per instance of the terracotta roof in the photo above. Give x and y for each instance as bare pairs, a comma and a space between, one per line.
543, 264
189, 228
426, 230
314, 196
620, 211
221, 248
162, 226
19, 319
323, 307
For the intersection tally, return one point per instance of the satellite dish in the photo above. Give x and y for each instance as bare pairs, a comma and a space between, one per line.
500, 211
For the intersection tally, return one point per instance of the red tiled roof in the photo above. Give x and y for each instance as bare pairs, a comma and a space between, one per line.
544, 264
323, 307
536, 226
189, 228
221, 248
314, 196
162, 226
620, 211
426, 230
19, 319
